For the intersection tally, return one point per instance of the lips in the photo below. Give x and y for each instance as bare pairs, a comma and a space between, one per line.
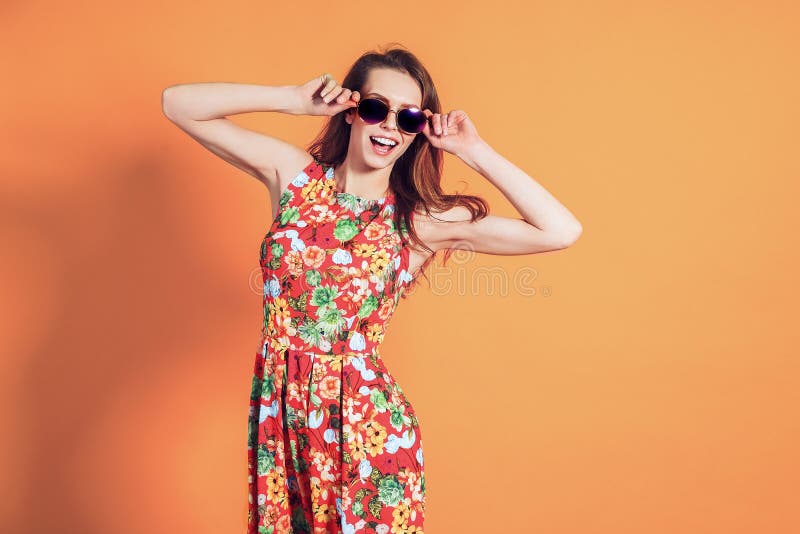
396, 141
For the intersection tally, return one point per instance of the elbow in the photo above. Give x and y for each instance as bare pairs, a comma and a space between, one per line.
569, 238
168, 103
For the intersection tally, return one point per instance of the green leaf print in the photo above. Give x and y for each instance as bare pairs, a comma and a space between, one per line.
310, 333
369, 305
266, 530
376, 475
358, 508
378, 398
315, 400
360, 494
331, 321
277, 250
346, 457
396, 419
390, 491
266, 460
298, 303
375, 507
289, 216
324, 296
268, 387
313, 277
346, 229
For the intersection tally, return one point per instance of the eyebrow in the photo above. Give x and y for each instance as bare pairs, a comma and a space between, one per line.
387, 100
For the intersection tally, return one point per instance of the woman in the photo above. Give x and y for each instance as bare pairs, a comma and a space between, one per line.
334, 443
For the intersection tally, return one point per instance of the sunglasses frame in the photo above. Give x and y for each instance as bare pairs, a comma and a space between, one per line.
389, 110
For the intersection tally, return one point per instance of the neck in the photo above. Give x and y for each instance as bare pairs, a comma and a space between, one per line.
362, 181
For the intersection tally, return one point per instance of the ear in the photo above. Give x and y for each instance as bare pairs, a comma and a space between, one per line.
349, 115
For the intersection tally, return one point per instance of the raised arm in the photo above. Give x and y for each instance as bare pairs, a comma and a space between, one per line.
546, 224
201, 109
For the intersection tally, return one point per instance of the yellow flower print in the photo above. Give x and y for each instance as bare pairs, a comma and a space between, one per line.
376, 436
375, 332
276, 486
380, 260
315, 187
364, 250
357, 450
400, 517
324, 513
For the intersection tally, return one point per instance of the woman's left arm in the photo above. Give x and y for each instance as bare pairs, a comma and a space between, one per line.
547, 224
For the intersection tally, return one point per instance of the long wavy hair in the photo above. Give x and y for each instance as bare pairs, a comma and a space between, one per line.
416, 176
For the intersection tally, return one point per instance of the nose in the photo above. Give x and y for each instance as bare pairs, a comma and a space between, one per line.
391, 120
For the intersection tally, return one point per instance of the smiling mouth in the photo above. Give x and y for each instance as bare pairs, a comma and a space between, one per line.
380, 148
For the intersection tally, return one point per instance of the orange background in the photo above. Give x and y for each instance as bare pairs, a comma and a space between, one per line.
650, 385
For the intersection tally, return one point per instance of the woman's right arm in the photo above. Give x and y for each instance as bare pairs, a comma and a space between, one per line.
201, 109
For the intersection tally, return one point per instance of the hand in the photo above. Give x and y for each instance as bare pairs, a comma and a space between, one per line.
453, 132
324, 96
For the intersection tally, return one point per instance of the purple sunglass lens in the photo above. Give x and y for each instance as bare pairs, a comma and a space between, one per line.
373, 111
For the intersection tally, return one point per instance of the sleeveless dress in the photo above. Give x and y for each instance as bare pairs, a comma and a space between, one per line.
334, 445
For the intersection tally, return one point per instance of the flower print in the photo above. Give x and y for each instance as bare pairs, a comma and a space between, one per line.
375, 332
376, 436
400, 517
331, 322
324, 296
386, 309
357, 450
323, 464
359, 364
365, 250
279, 310
330, 387
345, 229
357, 342
312, 190
268, 411
294, 263
358, 290
324, 513
390, 491
364, 469
276, 484
320, 214
342, 257
330, 436
353, 415
315, 418
296, 243
313, 256
375, 230
333, 275
379, 262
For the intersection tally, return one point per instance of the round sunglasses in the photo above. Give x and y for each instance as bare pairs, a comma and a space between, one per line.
410, 120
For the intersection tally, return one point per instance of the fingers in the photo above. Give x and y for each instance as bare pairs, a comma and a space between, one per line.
330, 84
441, 124
333, 90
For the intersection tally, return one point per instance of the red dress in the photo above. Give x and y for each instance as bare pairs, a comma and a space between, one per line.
334, 445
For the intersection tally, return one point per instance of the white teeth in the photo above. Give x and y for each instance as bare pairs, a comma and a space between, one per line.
384, 141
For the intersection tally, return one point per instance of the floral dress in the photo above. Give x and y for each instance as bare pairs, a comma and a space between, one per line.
334, 445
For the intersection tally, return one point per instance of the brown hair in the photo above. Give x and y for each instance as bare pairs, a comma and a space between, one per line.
416, 175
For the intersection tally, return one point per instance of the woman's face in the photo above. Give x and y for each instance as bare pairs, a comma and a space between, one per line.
398, 90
